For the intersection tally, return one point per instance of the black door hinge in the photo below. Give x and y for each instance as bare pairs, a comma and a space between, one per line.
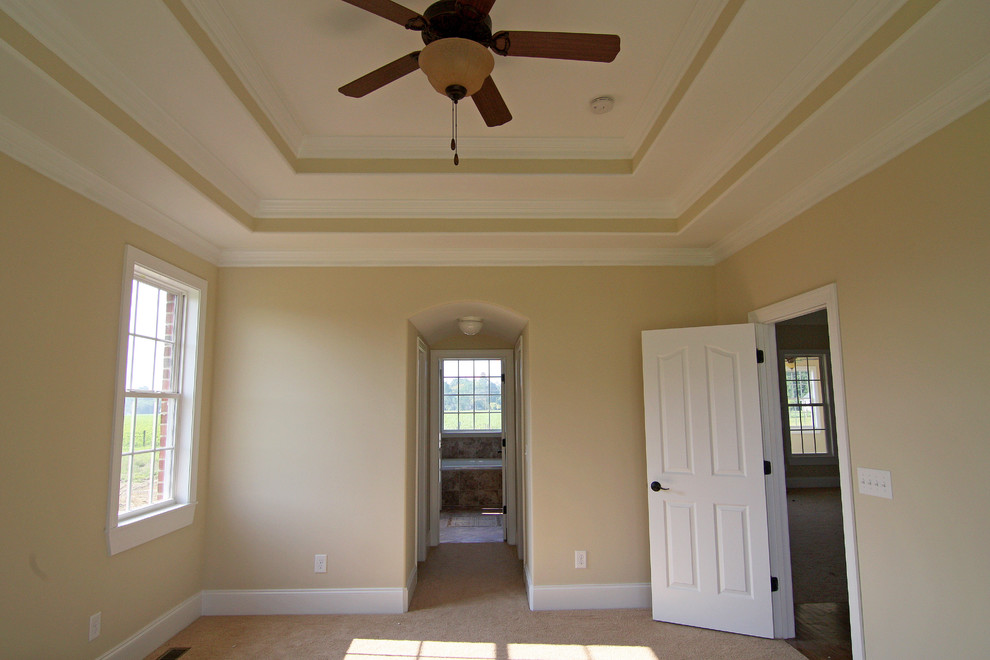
766, 467
774, 586
503, 442
505, 509
759, 356
503, 378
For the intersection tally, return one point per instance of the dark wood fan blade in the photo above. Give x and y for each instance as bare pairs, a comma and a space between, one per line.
490, 104
392, 11
557, 45
482, 7
381, 77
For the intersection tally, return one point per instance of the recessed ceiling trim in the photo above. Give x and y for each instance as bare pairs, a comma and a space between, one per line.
596, 209
462, 225
27, 148
225, 70
704, 51
315, 155
443, 164
247, 67
60, 72
906, 17
848, 34
690, 40
491, 147
52, 30
398, 257
965, 93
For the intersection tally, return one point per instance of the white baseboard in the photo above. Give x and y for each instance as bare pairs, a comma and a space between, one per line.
159, 631
304, 601
588, 596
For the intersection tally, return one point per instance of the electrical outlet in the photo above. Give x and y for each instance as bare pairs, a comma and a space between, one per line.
580, 559
874, 482
94, 626
320, 565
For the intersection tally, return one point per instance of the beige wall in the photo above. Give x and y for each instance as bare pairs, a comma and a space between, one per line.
311, 448
60, 281
909, 249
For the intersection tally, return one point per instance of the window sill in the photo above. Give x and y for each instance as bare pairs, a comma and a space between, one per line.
135, 531
495, 433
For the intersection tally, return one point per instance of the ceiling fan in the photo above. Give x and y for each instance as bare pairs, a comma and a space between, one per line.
456, 58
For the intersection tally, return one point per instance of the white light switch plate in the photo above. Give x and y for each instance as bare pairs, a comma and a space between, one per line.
874, 482
94, 626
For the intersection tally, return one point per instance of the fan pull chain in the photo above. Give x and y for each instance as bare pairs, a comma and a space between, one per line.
453, 129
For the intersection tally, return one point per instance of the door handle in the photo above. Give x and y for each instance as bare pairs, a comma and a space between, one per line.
657, 487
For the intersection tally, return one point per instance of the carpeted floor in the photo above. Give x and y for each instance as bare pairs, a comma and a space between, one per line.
470, 603
818, 559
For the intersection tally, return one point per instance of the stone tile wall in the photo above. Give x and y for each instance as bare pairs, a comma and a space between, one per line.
470, 489
470, 447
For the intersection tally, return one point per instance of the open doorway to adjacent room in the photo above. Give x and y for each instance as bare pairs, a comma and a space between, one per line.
474, 461
813, 545
814, 505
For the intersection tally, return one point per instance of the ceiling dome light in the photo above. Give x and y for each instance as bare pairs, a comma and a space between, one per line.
469, 325
456, 67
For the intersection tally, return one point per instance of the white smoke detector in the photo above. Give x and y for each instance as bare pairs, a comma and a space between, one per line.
602, 104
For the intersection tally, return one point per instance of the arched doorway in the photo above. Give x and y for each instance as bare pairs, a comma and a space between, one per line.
439, 335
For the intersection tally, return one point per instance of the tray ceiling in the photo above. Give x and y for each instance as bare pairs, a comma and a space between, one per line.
217, 124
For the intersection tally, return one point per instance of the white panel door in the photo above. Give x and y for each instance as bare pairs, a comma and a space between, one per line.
709, 549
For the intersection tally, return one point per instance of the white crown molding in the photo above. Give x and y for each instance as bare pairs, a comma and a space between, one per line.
28, 149
834, 48
235, 50
440, 257
463, 209
490, 147
51, 28
966, 92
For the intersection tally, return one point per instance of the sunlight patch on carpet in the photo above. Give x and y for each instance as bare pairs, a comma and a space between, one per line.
399, 649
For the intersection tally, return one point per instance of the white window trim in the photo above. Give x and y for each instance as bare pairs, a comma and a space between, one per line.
147, 524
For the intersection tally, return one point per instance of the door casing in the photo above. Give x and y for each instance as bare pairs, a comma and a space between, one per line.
826, 298
422, 449
508, 431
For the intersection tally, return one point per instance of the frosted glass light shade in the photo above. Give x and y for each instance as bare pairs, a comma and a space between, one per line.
456, 61
469, 325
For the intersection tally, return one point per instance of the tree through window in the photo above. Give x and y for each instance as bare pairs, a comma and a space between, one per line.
472, 395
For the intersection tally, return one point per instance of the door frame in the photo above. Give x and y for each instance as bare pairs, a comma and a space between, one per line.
422, 447
508, 431
826, 298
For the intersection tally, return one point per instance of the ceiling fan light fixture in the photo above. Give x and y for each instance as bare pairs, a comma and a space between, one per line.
455, 66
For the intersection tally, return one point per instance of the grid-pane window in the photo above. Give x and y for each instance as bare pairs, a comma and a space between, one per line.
472, 395
151, 396
159, 370
808, 415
